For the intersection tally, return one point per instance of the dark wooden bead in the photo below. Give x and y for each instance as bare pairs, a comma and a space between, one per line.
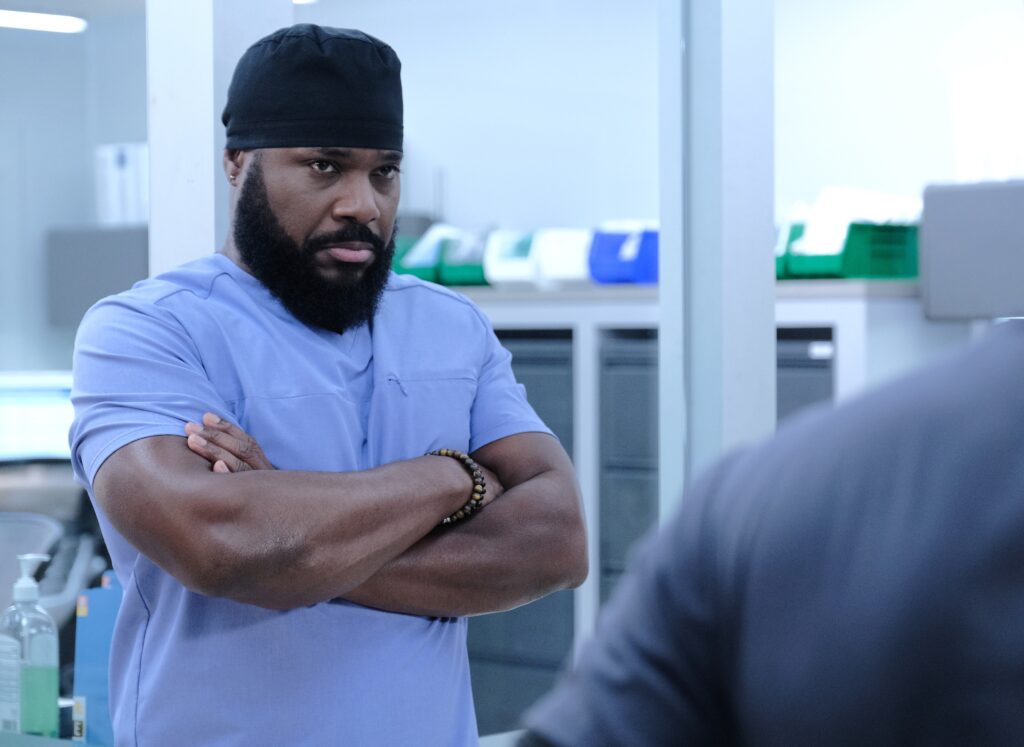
476, 497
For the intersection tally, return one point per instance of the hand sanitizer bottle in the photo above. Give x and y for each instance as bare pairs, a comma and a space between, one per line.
10, 684
28, 623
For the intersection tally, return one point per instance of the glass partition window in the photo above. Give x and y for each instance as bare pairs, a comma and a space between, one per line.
72, 157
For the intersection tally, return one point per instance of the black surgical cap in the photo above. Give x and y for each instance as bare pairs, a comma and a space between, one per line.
312, 86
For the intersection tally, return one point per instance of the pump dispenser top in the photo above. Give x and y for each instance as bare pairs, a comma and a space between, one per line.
36, 634
25, 588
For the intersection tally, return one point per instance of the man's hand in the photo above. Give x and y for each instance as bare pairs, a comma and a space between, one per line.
225, 446
230, 449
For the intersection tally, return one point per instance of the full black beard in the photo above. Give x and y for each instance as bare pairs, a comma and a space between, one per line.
288, 270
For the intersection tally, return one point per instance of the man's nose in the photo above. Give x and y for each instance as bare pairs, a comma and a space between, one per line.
356, 200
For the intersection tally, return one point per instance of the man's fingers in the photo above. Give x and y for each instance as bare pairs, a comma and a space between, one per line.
212, 420
238, 442
215, 454
227, 448
232, 440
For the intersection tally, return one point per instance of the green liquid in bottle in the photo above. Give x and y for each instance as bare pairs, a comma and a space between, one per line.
39, 713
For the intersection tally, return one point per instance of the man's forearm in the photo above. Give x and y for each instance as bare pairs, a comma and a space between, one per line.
345, 530
526, 544
275, 539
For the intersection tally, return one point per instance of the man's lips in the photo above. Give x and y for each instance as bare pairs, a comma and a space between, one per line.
357, 252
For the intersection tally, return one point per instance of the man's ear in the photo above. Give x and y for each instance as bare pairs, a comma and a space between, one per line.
233, 161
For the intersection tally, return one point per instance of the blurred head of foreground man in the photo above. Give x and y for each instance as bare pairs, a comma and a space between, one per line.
255, 427
858, 579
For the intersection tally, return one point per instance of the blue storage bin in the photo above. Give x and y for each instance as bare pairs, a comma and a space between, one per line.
619, 256
94, 626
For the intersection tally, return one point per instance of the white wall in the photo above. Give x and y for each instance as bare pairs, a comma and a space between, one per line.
116, 69
891, 95
533, 113
60, 95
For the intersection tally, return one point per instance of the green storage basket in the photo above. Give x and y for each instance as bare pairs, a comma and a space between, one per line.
462, 262
793, 232
870, 251
402, 246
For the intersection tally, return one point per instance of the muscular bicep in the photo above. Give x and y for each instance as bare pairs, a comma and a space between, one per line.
523, 456
152, 491
542, 504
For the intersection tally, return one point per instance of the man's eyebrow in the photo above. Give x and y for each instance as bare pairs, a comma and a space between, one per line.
345, 153
335, 152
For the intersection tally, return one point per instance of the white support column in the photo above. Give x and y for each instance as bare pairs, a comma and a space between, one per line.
728, 276
587, 447
671, 350
180, 95
725, 281
191, 49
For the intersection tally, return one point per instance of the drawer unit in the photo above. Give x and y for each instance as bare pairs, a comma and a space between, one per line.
629, 507
629, 447
805, 372
628, 396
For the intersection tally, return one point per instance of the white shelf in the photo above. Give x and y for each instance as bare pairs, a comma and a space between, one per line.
589, 305
595, 292
835, 289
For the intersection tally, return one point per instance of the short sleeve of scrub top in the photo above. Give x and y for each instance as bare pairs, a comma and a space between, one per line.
500, 408
137, 374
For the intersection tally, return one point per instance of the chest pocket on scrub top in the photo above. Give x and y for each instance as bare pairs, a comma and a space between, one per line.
428, 410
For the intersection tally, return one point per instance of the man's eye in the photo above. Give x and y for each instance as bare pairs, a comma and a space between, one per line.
389, 172
322, 167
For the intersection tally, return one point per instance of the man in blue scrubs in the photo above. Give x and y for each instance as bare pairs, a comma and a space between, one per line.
320, 602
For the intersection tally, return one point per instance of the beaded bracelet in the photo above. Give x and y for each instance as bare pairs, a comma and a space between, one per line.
476, 498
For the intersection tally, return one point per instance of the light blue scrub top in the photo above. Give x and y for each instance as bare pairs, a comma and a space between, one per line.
188, 669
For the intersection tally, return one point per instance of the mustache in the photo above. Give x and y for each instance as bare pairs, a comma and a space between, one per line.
352, 232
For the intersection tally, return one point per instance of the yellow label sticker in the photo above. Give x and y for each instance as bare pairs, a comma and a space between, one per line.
83, 606
78, 719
